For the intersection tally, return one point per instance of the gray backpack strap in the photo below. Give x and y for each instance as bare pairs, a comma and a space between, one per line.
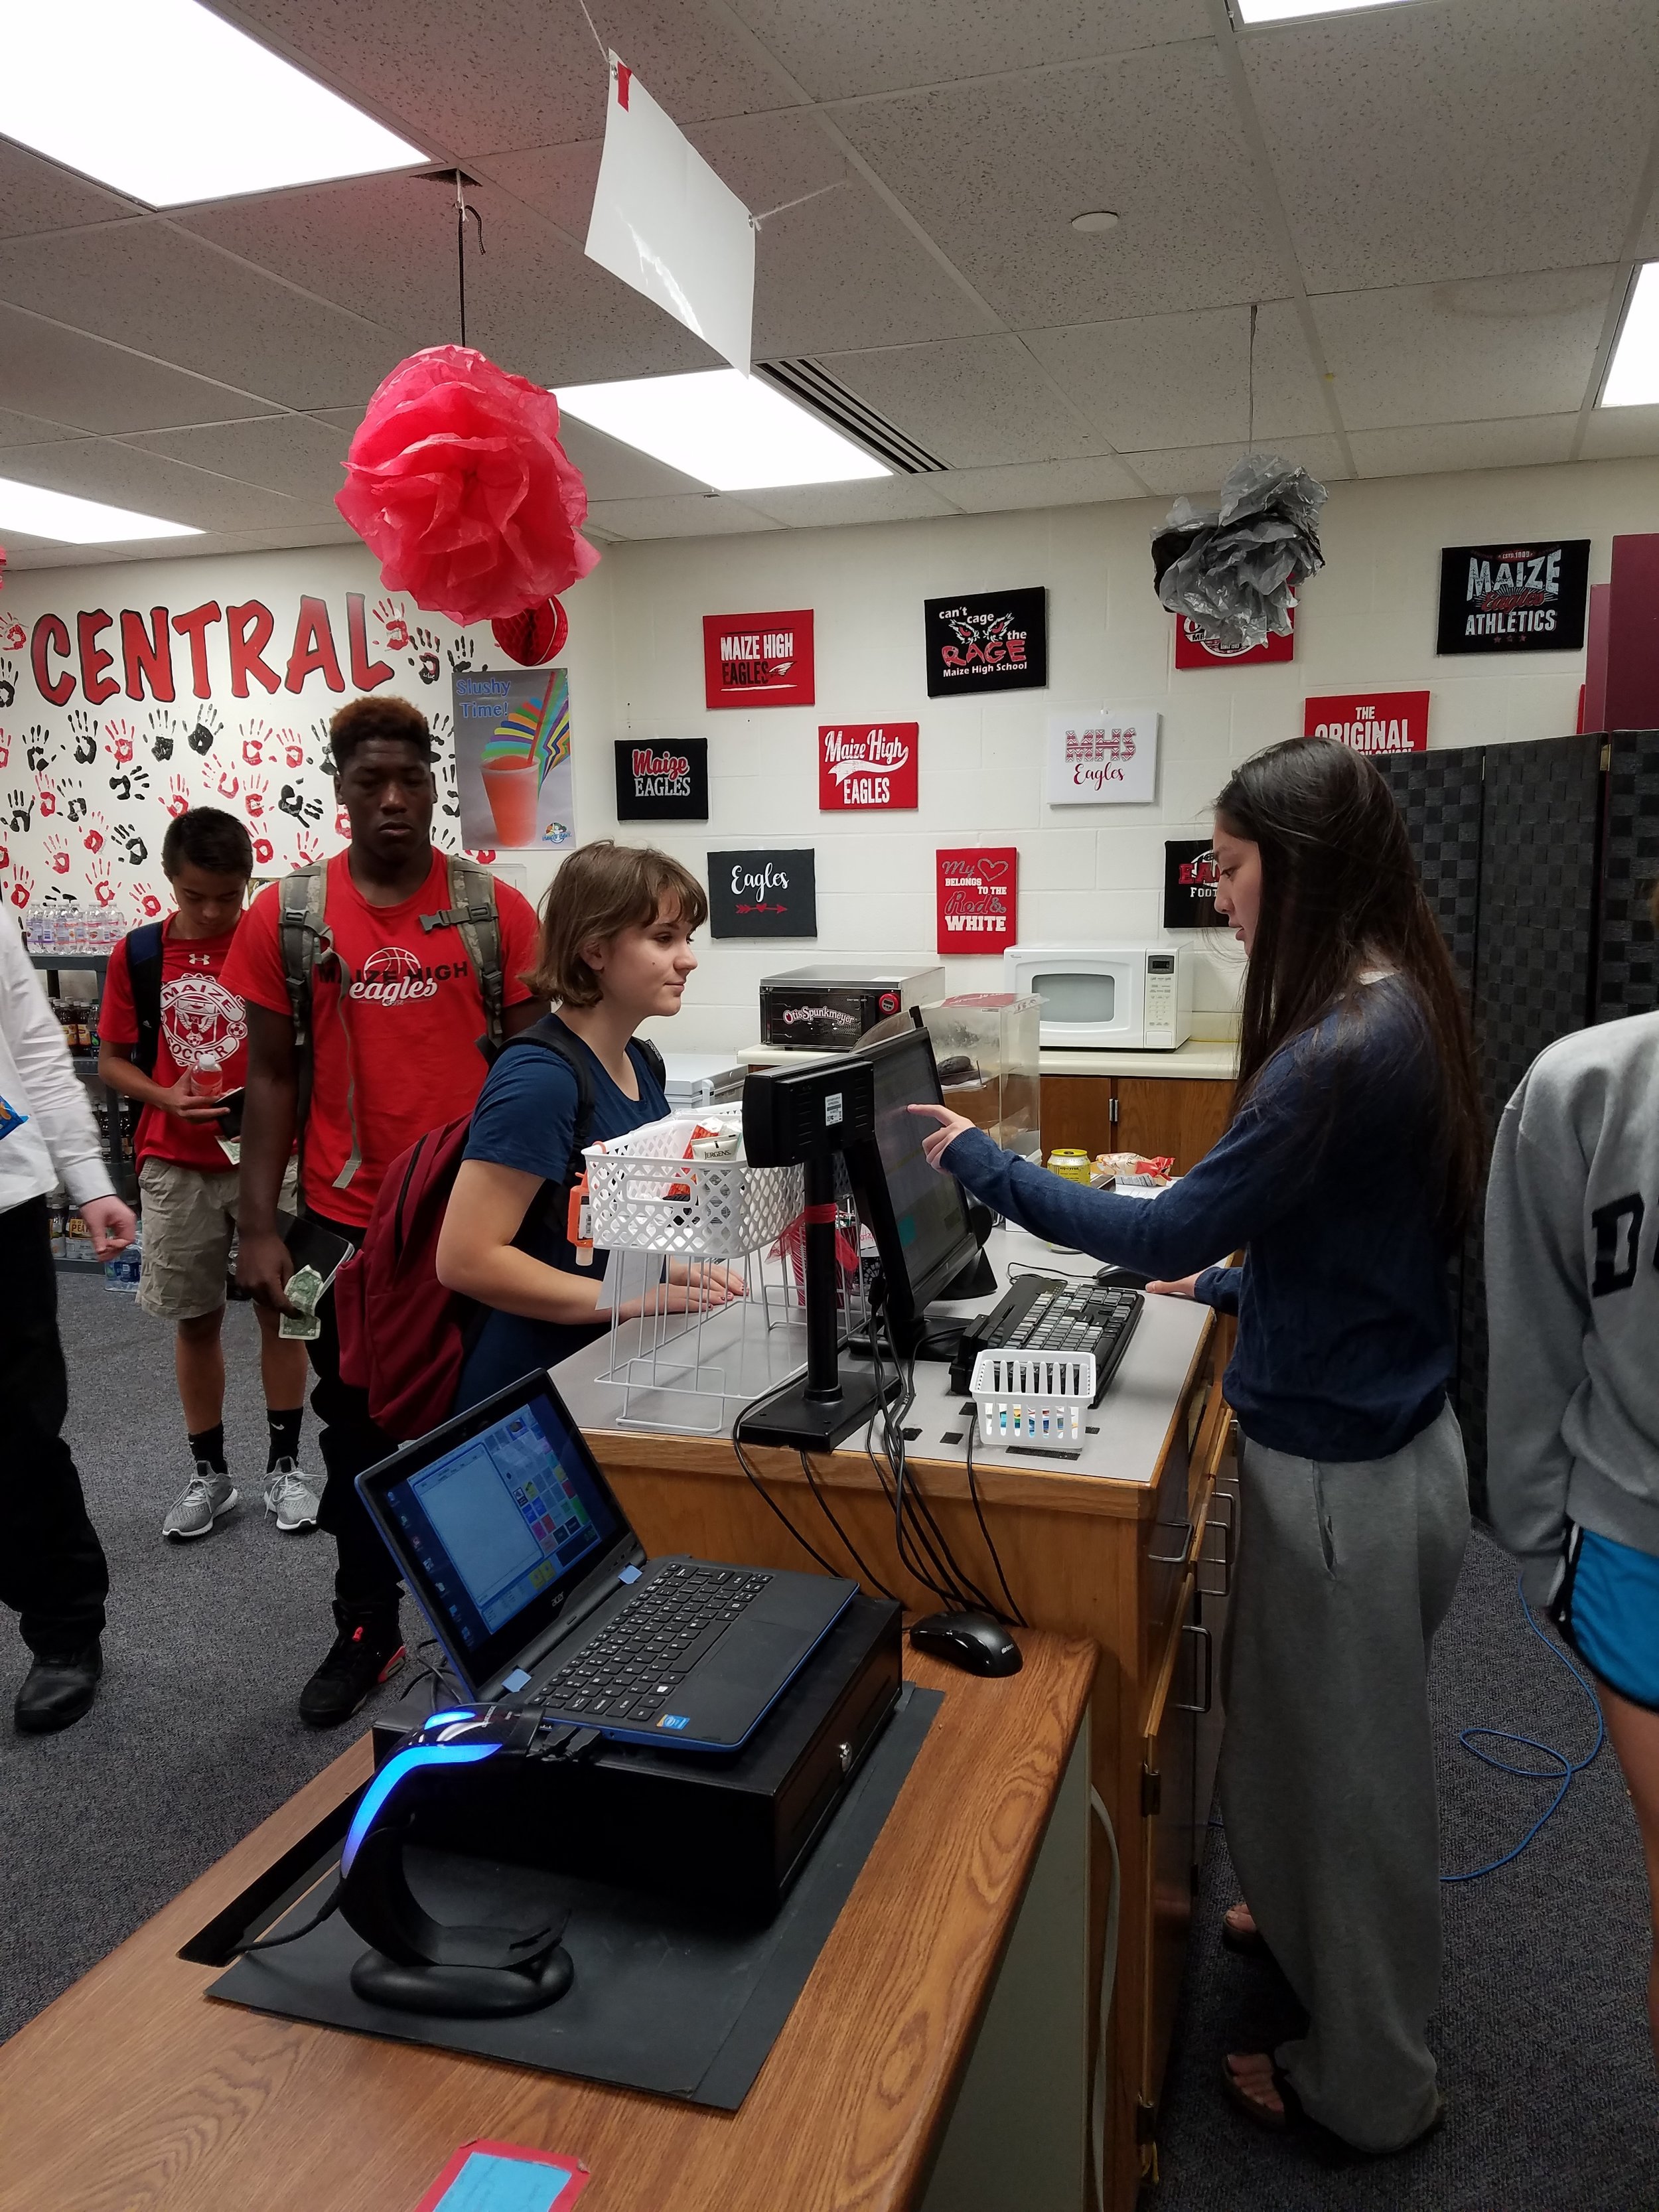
305, 938
472, 910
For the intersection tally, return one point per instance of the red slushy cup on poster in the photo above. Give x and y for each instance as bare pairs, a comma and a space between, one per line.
512, 789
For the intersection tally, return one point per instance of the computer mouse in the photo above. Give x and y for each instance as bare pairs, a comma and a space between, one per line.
972, 1641
1121, 1279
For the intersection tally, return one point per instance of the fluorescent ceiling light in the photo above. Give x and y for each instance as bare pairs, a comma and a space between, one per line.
1284, 11
71, 521
733, 432
170, 103
1633, 378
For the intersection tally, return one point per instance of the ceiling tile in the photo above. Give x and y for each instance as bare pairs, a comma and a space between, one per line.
1185, 380
996, 172
1458, 353
212, 541
289, 453
38, 195
472, 75
32, 430
557, 181
1613, 432
1199, 469
709, 514
970, 402
1412, 144
841, 270
867, 46
875, 498
384, 246
1038, 483
163, 291
67, 377
122, 476
1438, 446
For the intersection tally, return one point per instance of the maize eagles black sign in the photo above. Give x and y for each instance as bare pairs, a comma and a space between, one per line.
1514, 598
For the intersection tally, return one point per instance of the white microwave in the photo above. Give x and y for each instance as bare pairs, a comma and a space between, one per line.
1135, 997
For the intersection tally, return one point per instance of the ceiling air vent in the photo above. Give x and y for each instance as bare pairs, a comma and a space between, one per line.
815, 388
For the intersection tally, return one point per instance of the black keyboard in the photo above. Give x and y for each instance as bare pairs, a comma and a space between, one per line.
628, 1671
1045, 1312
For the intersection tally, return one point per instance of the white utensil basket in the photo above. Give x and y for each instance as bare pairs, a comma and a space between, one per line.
1033, 1399
643, 1196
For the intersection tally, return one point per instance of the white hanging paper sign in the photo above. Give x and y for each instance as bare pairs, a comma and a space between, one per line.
665, 223
1104, 757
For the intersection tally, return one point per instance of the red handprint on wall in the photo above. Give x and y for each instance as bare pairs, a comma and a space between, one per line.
22, 888
394, 619
294, 753
226, 786
57, 855
92, 834
149, 901
48, 796
263, 852
119, 739
98, 881
178, 798
253, 798
307, 848
341, 823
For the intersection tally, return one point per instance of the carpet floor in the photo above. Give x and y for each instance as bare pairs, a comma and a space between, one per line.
1541, 2034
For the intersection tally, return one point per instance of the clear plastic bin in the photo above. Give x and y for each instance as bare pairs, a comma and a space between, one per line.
985, 1044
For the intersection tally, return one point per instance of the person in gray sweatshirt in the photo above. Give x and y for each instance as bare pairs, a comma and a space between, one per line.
1572, 1295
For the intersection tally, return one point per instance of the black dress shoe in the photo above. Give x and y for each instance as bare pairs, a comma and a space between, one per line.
57, 1691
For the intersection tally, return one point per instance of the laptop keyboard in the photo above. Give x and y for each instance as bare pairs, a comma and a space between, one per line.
630, 1668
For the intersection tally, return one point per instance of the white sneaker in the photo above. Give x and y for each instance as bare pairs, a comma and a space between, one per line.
292, 1496
200, 1504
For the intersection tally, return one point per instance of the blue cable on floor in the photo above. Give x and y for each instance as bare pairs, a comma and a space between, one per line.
1567, 1767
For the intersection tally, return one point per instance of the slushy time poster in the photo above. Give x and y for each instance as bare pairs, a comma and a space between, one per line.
513, 758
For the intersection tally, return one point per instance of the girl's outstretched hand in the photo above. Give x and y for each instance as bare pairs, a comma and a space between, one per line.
1186, 1287
951, 1126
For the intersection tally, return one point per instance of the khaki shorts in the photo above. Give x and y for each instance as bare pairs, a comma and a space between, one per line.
189, 1218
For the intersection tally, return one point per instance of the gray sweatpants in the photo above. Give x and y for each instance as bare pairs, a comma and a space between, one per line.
1344, 1570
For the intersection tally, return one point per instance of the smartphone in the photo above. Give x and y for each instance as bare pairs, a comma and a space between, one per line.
229, 1123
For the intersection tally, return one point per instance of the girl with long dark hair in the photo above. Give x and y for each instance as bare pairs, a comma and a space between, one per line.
1351, 1162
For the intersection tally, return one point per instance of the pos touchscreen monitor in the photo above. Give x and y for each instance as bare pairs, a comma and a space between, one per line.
917, 1216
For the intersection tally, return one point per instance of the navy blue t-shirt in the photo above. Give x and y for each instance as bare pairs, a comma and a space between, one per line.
526, 1119
1327, 1177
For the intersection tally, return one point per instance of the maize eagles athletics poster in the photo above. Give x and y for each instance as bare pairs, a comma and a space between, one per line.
1514, 598
513, 758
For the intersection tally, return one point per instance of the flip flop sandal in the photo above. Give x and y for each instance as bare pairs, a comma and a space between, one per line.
1249, 1943
1276, 2122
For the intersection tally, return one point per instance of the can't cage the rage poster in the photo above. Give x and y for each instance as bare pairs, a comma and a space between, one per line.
988, 641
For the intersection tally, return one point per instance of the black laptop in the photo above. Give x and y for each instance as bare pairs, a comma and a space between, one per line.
517, 1553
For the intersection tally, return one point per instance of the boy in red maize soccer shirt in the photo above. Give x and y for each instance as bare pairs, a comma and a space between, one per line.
397, 1011
190, 1035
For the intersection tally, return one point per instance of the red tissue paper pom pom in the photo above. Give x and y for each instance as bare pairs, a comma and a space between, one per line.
457, 483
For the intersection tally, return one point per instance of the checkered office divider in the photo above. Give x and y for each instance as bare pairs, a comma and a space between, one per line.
1627, 970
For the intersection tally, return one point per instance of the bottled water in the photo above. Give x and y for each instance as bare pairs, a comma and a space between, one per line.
121, 1273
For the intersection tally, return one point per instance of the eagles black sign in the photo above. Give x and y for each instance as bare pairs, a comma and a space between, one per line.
1514, 598
662, 779
771, 892
990, 641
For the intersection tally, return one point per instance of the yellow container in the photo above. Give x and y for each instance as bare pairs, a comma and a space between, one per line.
1069, 1164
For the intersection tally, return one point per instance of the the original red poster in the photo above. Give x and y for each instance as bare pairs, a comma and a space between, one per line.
1372, 721
1191, 651
758, 660
862, 764
978, 895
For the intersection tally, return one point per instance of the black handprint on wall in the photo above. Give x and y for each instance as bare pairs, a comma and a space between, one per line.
22, 810
208, 727
459, 655
164, 734
325, 757
75, 801
38, 746
84, 731
424, 658
8, 685
131, 844
295, 802
130, 783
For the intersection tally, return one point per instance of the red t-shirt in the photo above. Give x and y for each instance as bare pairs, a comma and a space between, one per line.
413, 1013
203, 1024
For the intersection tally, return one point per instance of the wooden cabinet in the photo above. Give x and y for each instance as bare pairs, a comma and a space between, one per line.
1151, 1114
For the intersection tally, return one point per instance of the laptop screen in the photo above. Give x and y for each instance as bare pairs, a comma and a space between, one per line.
500, 1527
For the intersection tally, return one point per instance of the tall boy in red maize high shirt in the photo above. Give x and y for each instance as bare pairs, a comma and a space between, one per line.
383, 1036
